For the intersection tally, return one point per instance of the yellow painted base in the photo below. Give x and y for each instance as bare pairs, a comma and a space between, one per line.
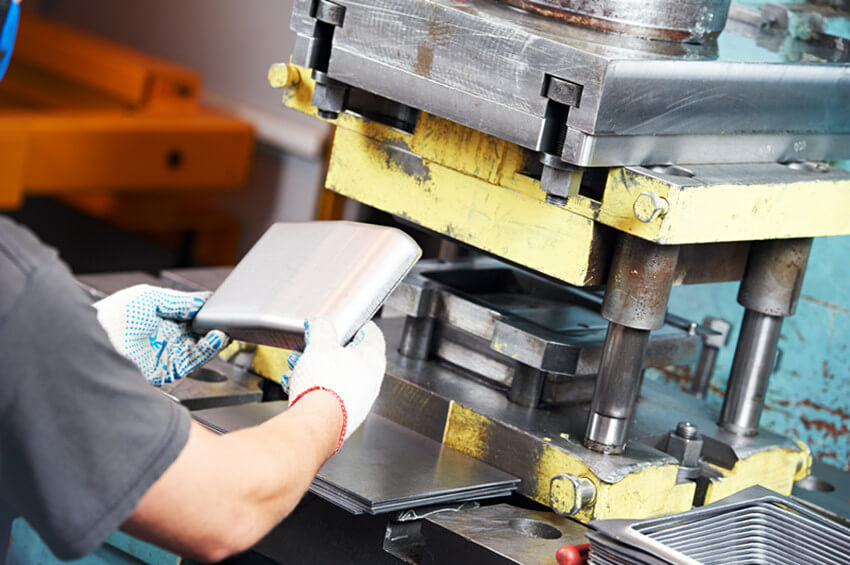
648, 492
776, 469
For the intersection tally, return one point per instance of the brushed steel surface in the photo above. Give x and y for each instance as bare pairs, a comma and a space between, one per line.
501, 534
342, 271
734, 101
671, 20
383, 466
489, 317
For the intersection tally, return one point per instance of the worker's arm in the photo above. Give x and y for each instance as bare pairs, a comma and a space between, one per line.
223, 493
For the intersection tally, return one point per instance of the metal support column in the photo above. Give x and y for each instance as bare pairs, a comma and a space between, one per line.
769, 291
635, 303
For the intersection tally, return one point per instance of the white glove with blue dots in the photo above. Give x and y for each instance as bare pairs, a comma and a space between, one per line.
151, 327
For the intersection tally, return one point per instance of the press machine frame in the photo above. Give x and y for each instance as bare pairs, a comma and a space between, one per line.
505, 170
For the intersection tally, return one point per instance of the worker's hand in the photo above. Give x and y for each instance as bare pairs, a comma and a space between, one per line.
151, 327
353, 373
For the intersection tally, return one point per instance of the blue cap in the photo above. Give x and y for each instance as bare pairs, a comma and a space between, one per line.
7, 36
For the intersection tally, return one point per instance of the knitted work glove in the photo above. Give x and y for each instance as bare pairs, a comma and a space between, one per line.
151, 327
352, 373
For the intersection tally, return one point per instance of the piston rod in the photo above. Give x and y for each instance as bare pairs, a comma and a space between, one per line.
770, 290
635, 303
754, 356
617, 386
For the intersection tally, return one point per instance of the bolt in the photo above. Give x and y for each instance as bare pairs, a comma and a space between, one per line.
568, 494
283, 75
649, 206
686, 430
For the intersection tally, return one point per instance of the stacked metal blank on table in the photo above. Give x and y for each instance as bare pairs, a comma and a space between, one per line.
753, 526
383, 466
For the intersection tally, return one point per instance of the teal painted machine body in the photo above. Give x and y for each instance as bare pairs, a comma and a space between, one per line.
809, 395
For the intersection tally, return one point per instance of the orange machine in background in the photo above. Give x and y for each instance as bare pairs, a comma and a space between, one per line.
119, 135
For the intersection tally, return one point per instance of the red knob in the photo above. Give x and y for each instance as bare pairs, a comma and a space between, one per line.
572, 554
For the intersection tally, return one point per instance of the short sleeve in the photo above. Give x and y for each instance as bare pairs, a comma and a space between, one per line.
83, 433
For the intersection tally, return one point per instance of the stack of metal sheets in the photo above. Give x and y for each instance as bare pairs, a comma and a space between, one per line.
383, 467
755, 525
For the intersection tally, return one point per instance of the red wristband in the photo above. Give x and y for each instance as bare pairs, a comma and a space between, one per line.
341, 405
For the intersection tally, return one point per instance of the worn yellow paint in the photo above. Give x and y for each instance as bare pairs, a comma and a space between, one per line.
727, 212
773, 468
283, 75
648, 492
299, 96
467, 431
497, 219
697, 214
232, 349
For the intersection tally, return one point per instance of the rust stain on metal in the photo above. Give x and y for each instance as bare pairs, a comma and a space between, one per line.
424, 60
825, 304
834, 411
680, 375
775, 409
825, 371
825, 427
440, 32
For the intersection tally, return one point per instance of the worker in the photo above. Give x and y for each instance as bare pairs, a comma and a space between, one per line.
88, 445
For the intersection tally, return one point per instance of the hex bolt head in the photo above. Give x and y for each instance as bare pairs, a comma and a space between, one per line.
685, 444
649, 206
569, 495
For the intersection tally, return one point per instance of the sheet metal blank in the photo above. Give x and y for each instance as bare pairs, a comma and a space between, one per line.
342, 271
383, 467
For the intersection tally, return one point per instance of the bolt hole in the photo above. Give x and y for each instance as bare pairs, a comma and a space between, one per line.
534, 528
813, 483
174, 159
673, 170
207, 376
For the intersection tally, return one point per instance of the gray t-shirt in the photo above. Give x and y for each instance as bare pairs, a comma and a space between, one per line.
82, 433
